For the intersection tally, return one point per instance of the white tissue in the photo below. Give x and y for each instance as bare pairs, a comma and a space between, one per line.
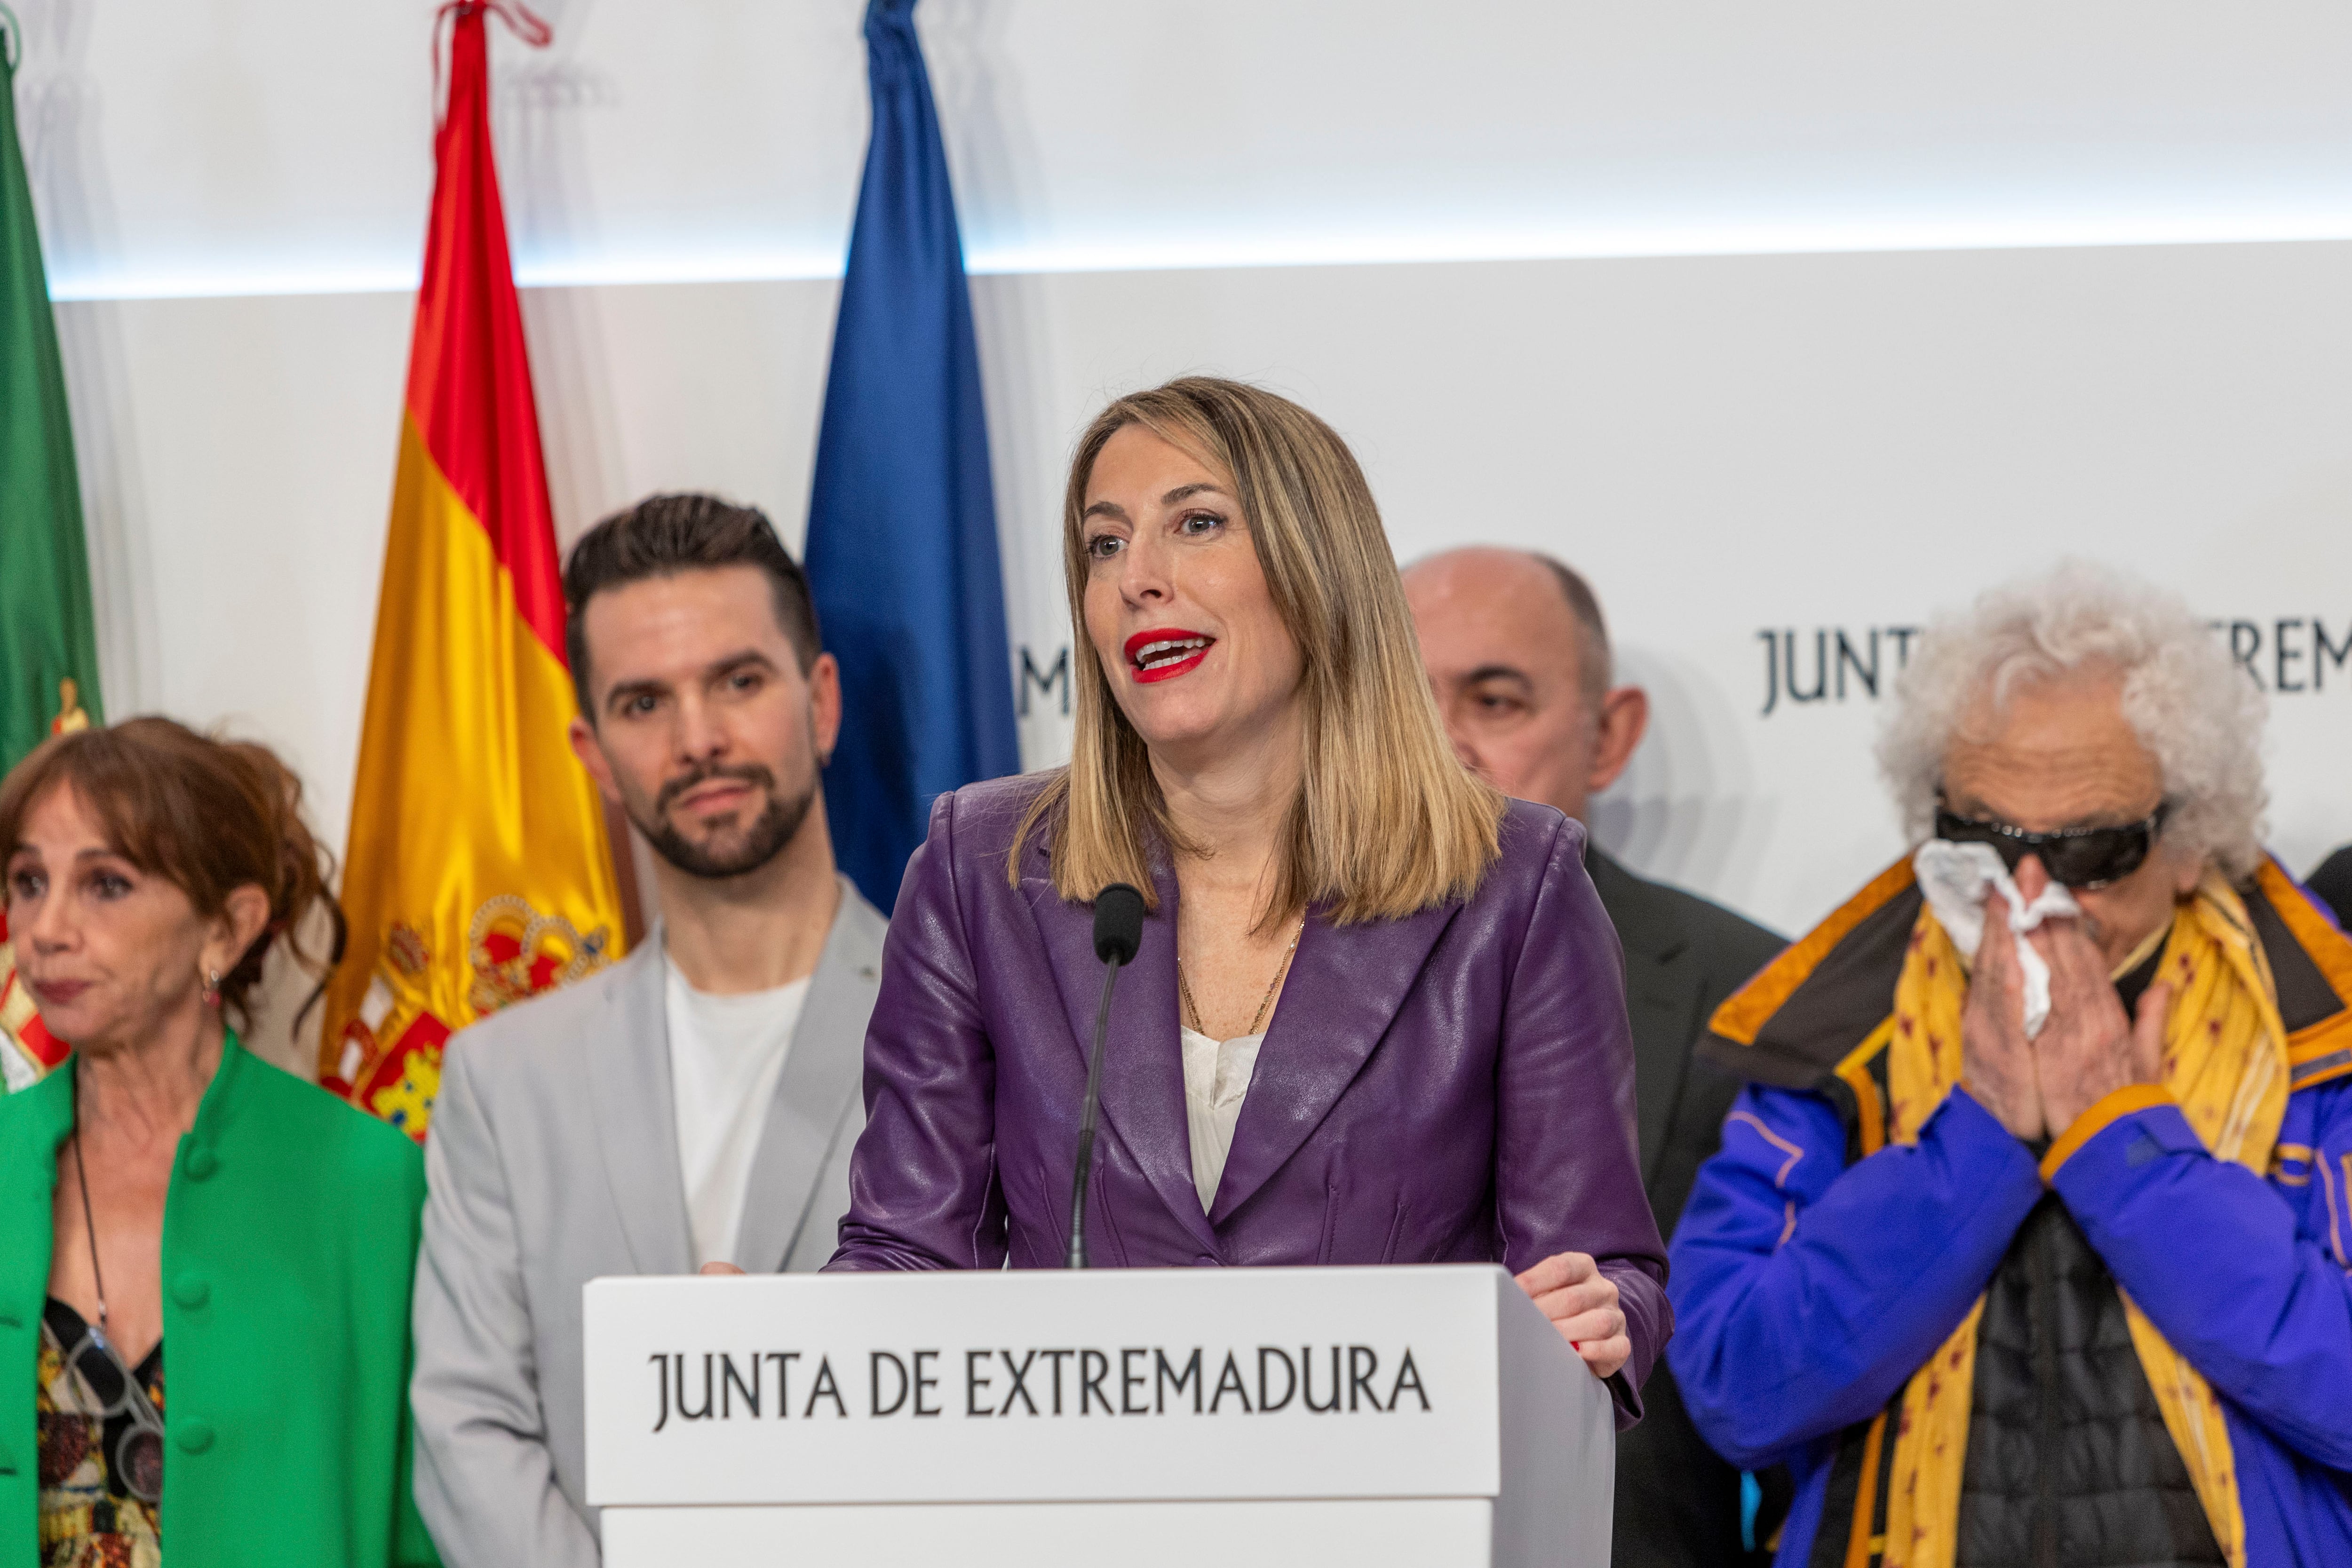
1955, 876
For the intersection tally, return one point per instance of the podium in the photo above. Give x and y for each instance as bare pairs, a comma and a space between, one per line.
1206, 1417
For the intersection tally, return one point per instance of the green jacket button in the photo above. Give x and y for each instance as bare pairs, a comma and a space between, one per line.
8, 1463
9, 1320
191, 1291
202, 1163
195, 1436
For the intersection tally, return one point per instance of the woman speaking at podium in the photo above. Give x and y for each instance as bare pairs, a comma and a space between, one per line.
1376, 1013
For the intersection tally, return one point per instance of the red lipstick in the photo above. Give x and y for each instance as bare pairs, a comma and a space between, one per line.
1163, 652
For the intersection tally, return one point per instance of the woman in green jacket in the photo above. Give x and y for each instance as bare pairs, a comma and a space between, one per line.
165, 1188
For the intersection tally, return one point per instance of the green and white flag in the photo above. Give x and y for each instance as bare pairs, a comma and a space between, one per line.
49, 654
49, 648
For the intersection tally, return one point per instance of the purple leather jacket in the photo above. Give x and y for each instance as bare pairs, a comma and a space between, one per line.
1453, 1087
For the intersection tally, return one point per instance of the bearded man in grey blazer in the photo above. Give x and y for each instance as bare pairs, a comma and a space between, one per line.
1518, 656
693, 1105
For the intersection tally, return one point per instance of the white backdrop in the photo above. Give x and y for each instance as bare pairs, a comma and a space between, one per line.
259, 145
1839, 439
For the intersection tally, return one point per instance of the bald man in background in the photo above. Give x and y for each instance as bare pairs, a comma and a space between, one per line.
1518, 655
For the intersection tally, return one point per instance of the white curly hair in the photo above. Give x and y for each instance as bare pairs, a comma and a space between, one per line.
2192, 707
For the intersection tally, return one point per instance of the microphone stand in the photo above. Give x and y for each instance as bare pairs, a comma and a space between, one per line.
1086, 1117
1118, 936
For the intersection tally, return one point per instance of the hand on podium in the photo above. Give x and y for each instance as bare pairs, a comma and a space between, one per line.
1581, 1303
715, 1266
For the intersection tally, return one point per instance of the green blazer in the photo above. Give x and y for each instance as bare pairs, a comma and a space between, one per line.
289, 1244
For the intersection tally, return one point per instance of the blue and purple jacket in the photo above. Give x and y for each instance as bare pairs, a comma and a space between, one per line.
1816, 1267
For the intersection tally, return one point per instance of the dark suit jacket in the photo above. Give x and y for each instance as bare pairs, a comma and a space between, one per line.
1677, 1503
1454, 1086
2333, 882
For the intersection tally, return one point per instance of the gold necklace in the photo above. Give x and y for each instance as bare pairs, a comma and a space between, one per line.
1192, 1008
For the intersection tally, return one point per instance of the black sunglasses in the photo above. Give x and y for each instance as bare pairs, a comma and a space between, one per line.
2075, 857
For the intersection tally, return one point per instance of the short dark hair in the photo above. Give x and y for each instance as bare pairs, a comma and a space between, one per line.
1593, 668
664, 535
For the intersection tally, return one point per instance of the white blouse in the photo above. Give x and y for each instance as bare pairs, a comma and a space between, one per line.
1216, 1079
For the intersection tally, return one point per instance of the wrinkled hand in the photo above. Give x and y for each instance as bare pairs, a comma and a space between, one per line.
1997, 1062
1581, 1303
2089, 1049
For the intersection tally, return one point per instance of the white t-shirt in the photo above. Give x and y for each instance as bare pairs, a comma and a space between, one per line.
726, 1054
1216, 1080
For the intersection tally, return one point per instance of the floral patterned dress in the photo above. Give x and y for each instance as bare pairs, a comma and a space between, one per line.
89, 1517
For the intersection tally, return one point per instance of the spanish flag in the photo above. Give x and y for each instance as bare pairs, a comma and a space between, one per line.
478, 871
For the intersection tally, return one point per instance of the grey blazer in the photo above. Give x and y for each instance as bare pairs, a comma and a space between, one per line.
553, 1161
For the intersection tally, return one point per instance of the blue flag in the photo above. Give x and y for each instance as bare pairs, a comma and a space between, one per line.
902, 523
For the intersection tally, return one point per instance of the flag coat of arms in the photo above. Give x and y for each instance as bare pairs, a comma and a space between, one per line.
478, 871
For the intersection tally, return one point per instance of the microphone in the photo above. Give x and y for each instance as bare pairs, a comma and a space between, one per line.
1118, 933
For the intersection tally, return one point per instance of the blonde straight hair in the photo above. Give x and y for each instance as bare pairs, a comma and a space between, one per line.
1388, 821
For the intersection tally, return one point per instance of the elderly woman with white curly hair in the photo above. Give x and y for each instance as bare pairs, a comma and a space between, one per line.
2028, 1240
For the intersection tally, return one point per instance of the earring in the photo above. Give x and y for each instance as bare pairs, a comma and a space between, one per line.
211, 987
